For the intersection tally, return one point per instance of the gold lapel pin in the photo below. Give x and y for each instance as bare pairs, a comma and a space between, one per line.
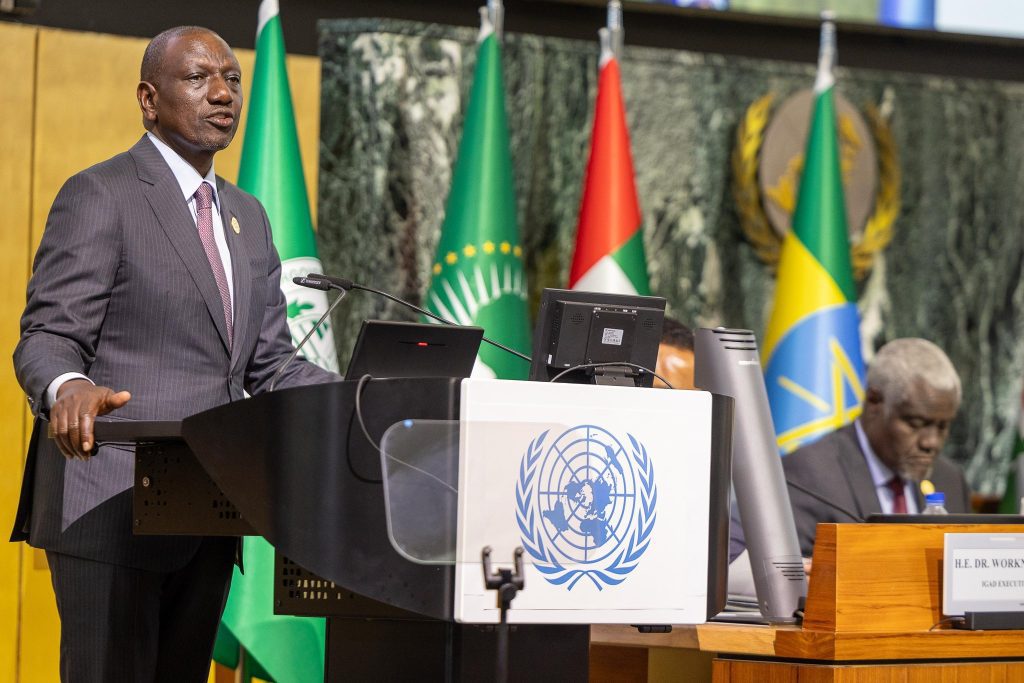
234, 225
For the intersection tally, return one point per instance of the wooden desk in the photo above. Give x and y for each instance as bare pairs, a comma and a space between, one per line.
766, 653
872, 599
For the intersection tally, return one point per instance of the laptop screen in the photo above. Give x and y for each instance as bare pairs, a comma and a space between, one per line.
387, 348
956, 518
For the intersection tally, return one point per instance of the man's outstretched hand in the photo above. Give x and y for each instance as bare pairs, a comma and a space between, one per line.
73, 413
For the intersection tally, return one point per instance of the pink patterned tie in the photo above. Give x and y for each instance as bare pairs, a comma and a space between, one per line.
204, 221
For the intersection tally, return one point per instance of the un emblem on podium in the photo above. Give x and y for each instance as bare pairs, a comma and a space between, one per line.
586, 505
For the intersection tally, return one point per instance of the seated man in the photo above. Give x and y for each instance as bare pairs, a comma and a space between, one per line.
675, 355
882, 461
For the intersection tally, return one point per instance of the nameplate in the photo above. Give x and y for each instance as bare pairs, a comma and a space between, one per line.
983, 573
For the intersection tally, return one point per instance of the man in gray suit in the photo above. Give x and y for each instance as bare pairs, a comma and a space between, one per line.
882, 461
146, 305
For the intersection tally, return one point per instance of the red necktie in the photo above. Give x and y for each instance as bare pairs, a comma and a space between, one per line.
899, 499
204, 221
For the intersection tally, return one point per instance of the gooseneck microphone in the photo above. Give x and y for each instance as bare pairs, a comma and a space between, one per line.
313, 283
822, 499
321, 284
345, 284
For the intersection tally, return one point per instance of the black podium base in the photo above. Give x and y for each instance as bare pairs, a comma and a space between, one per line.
386, 650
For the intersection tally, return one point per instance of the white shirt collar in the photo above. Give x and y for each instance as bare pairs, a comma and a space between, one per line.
880, 472
188, 177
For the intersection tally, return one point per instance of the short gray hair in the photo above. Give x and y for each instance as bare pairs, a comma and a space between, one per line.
901, 363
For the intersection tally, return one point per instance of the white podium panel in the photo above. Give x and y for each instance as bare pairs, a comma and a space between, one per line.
605, 488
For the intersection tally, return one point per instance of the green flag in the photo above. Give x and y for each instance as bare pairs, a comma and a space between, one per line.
271, 169
478, 273
1011, 502
288, 649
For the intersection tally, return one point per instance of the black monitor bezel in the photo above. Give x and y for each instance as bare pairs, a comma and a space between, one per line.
539, 369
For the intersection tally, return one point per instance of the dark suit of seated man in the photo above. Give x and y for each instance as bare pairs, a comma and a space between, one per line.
881, 462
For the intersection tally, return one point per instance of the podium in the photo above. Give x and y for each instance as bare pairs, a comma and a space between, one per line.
296, 467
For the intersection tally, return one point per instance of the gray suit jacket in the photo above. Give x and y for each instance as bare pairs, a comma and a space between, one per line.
834, 467
122, 292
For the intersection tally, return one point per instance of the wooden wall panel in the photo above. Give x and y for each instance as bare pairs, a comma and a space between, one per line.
69, 102
17, 65
669, 665
617, 664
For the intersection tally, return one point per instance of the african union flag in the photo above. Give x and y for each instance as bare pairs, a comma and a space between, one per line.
814, 370
478, 274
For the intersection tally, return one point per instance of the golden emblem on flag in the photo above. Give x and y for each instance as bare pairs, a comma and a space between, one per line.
767, 162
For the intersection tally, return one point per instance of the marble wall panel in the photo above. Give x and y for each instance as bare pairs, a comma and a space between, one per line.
393, 96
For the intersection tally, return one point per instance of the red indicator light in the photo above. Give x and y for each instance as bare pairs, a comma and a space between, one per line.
422, 344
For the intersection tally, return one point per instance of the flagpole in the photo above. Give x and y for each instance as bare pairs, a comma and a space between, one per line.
827, 52
616, 32
496, 14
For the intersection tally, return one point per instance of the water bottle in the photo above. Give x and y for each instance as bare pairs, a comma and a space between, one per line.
935, 504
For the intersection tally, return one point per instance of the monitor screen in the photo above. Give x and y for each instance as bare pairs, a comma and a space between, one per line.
596, 338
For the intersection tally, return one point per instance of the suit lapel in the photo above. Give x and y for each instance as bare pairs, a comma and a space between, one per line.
174, 218
241, 272
858, 476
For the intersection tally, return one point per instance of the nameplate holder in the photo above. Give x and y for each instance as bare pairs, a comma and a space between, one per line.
983, 573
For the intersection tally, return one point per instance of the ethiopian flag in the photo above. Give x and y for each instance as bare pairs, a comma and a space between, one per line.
478, 273
609, 254
814, 370
286, 649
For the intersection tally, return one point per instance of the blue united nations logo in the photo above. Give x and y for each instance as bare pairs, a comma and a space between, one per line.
587, 501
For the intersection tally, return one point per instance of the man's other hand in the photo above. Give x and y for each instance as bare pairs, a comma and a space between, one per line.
73, 413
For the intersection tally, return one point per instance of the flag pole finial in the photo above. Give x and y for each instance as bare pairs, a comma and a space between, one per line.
607, 51
496, 14
616, 32
486, 27
826, 52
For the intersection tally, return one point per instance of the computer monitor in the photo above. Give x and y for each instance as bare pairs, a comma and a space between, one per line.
386, 348
596, 338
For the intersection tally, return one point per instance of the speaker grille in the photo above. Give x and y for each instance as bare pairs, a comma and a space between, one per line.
792, 571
